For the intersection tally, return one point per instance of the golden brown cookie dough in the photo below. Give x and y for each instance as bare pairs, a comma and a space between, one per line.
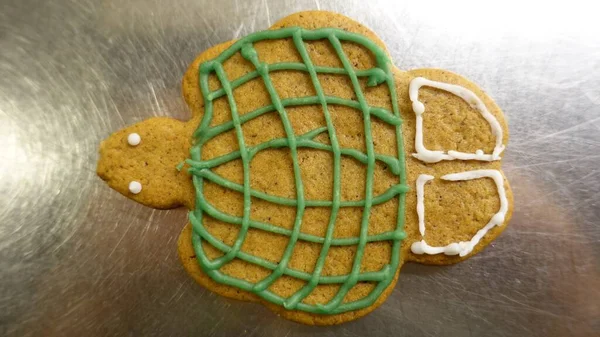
455, 211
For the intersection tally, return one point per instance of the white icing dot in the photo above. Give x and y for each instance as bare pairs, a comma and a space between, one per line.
452, 249
418, 107
479, 152
417, 248
135, 187
498, 219
134, 139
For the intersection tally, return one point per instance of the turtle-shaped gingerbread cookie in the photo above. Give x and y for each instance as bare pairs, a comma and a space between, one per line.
309, 172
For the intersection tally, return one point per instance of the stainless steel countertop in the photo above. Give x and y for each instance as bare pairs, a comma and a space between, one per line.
77, 258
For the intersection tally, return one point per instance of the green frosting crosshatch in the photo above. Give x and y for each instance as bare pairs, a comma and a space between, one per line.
201, 170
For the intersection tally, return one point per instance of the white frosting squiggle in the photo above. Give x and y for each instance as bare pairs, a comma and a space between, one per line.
468, 96
421, 181
464, 247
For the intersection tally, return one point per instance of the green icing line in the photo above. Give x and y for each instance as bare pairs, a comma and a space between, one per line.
381, 113
380, 199
375, 75
201, 170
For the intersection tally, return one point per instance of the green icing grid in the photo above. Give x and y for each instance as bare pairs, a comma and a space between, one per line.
201, 170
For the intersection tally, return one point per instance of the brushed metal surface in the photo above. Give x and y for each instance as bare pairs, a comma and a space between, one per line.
76, 258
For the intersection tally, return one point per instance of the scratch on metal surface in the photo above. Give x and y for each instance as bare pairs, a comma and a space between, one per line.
210, 28
158, 108
404, 33
115, 107
268, 12
215, 326
75, 304
318, 4
148, 223
558, 132
175, 293
402, 30
553, 162
238, 31
121, 239
510, 303
550, 234
253, 331
565, 188
67, 239
166, 52
523, 305
181, 295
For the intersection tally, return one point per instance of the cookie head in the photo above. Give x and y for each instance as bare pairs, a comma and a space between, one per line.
141, 162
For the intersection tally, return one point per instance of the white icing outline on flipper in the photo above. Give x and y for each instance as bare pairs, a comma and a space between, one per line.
461, 248
468, 96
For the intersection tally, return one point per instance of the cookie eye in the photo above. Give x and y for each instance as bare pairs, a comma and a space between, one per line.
464, 247
134, 139
135, 187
